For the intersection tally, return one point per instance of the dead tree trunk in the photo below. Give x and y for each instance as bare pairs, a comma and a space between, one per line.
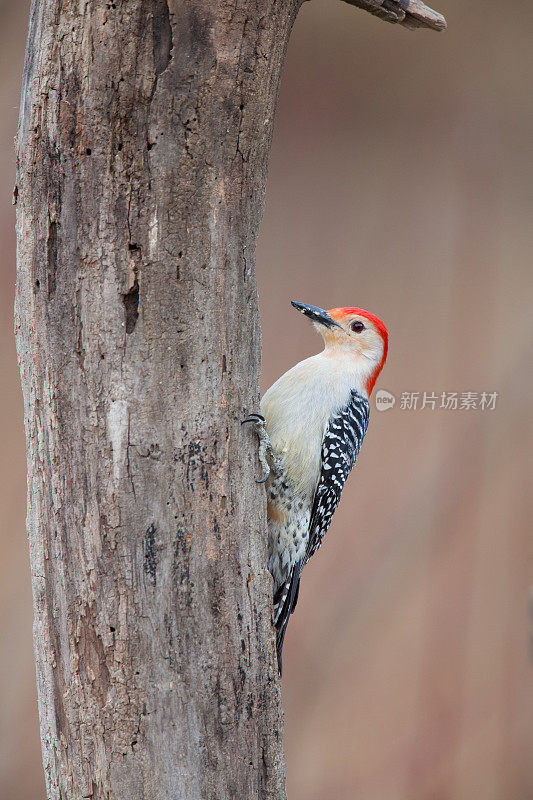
144, 135
143, 144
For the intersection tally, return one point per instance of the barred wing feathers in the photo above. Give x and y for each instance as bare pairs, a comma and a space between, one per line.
340, 448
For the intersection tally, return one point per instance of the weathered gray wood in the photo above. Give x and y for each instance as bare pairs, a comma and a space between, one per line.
142, 155
409, 13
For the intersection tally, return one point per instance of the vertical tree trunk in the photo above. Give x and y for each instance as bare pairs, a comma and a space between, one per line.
144, 136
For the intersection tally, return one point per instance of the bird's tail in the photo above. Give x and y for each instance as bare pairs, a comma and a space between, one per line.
285, 601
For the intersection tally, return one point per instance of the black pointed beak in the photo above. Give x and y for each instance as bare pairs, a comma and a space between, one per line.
316, 314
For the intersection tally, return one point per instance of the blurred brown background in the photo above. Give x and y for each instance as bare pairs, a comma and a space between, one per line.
401, 181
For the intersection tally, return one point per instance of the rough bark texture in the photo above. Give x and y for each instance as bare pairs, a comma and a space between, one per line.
142, 152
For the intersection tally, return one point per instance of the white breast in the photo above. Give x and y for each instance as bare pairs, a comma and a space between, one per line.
297, 409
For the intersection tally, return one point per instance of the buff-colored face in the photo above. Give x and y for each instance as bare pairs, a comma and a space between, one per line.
354, 337
353, 332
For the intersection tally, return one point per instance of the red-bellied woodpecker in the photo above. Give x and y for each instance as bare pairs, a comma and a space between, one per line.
315, 419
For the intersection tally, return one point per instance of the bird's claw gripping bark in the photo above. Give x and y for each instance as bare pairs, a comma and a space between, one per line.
266, 451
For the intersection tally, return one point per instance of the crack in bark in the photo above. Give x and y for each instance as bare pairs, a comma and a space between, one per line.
150, 555
51, 257
131, 306
162, 33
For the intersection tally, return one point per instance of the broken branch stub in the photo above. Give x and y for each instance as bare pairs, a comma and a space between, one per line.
409, 13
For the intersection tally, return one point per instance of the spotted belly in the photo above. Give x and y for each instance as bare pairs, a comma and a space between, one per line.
288, 529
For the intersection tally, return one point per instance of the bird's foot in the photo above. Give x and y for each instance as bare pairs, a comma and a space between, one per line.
266, 454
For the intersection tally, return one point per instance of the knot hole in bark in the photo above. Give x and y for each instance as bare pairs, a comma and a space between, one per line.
162, 33
131, 306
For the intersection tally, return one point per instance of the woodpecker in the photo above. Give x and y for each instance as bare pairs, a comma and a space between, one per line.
312, 424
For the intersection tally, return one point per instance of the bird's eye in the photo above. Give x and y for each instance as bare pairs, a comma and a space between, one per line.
357, 326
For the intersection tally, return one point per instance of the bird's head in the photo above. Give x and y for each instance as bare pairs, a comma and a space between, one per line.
354, 334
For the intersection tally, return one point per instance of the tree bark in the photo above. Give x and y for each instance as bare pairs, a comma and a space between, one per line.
144, 135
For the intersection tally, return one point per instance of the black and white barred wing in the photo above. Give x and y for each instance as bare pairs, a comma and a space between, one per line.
340, 448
